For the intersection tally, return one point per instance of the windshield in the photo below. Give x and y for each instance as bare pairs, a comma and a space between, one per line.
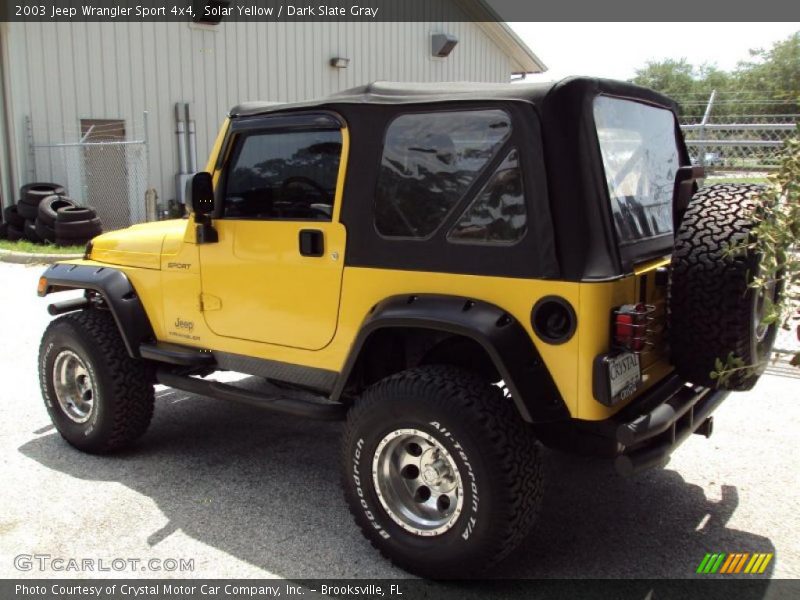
640, 157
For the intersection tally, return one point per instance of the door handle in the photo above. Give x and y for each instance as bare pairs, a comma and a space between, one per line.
312, 242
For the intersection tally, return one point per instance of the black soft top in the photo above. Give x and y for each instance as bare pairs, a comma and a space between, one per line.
572, 237
387, 93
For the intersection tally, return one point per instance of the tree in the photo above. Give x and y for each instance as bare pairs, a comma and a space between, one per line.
775, 73
690, 85
670, 77
774, 238
769, 83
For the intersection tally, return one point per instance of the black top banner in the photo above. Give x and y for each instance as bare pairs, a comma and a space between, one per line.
212, 12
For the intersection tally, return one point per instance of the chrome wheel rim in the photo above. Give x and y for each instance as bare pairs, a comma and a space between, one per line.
73, 386
761, 329
418, 482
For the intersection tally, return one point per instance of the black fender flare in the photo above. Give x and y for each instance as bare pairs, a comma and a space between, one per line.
117, 291
503, 338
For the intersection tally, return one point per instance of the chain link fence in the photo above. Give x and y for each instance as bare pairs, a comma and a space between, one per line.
105, 167
730, 142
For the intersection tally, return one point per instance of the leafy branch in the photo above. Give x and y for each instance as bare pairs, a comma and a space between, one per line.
775, 239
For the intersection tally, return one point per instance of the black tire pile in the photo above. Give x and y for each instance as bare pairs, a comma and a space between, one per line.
45, 215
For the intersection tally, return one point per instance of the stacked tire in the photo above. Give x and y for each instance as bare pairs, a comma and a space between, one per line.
45, 215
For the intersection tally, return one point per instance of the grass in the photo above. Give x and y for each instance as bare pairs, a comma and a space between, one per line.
31, 248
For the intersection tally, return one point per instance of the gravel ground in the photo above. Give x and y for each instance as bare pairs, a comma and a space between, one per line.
249, 494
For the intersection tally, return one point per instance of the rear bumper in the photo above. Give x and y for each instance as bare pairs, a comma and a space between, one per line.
648, 431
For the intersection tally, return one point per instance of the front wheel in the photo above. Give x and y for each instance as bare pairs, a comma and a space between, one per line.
98, 397
440, 472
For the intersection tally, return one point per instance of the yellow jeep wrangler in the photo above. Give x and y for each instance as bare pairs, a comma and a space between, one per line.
457, 271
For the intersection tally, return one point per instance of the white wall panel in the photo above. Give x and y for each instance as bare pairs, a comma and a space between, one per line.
61, 73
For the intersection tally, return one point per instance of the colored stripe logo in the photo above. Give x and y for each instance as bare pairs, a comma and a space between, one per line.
735, 563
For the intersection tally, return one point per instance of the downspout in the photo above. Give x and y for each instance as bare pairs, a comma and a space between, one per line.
192, 139
180, 136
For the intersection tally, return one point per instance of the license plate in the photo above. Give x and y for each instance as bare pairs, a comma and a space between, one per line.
624, 375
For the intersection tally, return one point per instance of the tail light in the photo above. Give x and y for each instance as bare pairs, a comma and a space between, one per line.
631, 327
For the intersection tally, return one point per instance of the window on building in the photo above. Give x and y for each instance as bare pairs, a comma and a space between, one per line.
498, 214
284, 175
429, 162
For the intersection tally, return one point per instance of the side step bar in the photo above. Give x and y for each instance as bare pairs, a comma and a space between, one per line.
175, 354
325, 411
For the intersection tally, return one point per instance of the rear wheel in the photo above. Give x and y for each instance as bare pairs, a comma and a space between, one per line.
98, 397
713, 311
440, 472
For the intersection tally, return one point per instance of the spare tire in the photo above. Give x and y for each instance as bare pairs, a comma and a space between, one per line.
12, 217
75, 213
48, 207
712, 310
33, 193
45, 232
30, 232
78, 230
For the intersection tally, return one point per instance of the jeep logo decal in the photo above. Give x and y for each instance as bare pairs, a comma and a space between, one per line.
181, 324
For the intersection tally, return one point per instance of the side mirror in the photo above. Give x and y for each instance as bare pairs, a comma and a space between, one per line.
201, 194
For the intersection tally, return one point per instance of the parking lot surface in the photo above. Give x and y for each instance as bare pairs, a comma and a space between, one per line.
245, 493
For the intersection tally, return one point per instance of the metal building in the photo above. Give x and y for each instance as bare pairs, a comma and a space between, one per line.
73, 92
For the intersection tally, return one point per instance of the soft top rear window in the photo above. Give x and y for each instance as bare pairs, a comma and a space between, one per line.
640, 157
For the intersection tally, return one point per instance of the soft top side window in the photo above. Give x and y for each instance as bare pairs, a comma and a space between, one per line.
497, 215
283, 175
429, 162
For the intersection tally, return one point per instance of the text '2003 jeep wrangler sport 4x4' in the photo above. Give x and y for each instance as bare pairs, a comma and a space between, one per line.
459, 271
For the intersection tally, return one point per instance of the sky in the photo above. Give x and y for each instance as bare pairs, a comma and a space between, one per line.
616, 50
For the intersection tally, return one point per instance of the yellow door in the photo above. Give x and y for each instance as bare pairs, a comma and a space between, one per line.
275, 274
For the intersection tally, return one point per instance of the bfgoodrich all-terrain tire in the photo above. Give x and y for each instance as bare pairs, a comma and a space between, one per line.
440, 472
713, 311
98, 397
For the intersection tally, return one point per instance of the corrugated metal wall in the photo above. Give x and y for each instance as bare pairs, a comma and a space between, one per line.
60, 73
